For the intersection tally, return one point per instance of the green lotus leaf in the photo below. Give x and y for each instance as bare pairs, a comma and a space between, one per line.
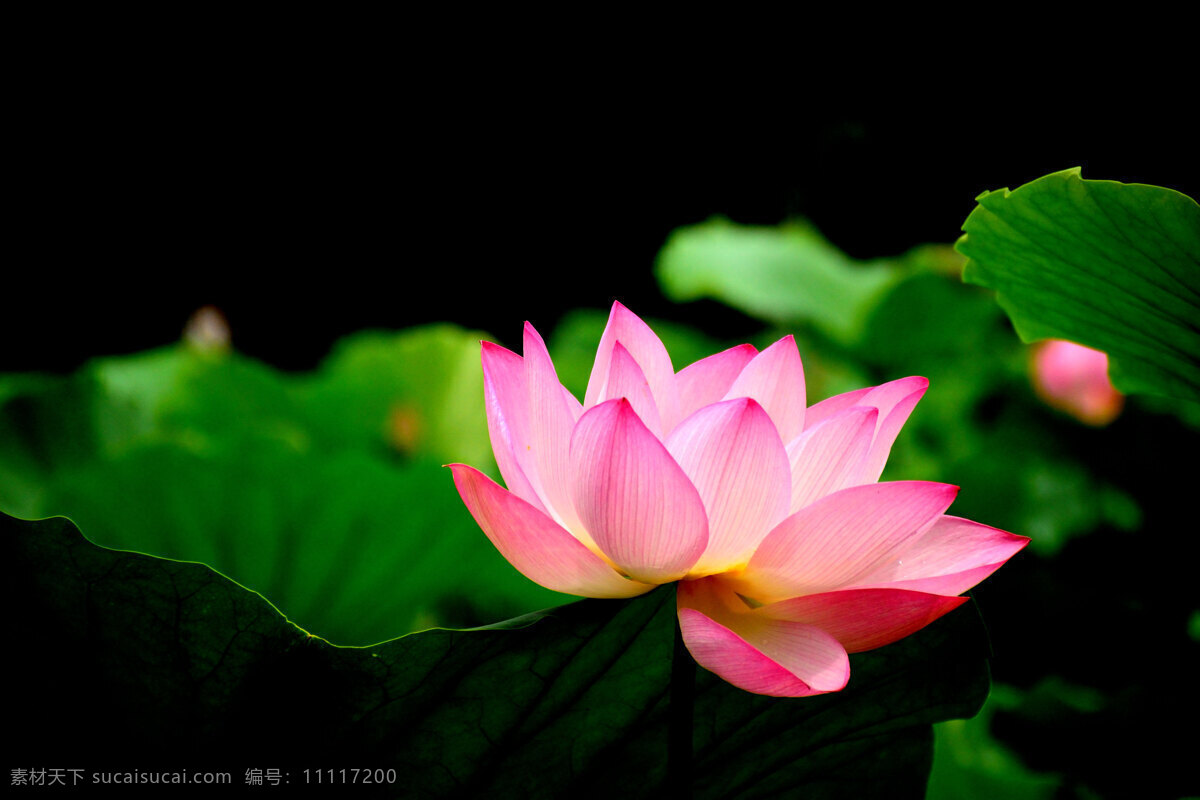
1112, 266
175, 663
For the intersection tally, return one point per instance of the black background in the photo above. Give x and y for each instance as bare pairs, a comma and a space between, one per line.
310, 202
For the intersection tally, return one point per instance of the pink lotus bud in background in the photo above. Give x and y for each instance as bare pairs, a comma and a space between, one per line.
1074, 379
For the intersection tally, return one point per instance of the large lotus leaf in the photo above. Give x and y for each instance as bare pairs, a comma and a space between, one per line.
183, 392
50, 424
121, 654
418, 392
1110, 265
352, 548
784, 275
46, 422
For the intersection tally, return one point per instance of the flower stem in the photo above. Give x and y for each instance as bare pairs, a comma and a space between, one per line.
679, 731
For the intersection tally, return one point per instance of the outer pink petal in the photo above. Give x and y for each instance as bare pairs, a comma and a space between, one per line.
733, 455
636, 502
507, 399
706, 381
863, 619
951, 557
831, 406
828, 456
625, 379
775, 378
764, 656
648, 351
551, 420
828, 544
534, 544
895, 401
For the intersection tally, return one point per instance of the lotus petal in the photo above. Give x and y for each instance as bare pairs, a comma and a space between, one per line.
775, 378
735, 459
828, 544
863, 619
949, 558
551, 420
651, 356
535, 544
635, 501
828, 456
766, 656
706, 381
506, 397
626, 379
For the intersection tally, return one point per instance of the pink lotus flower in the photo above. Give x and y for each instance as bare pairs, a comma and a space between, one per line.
788, 552
1074, 379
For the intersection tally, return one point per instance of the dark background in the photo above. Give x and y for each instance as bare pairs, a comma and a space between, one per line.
307, 207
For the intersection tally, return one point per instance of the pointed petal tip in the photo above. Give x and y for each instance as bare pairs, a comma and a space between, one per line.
528, 330
621, 403
917, 384
491, 356
953, 556
744, 405
950, 488
621, 311
1017, 541
867, 618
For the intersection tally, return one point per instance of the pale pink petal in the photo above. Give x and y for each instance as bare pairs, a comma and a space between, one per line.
573, 403
895, 401
706, 381
827, 456
951, 557
506, 397
828, 544
733, 455
551, 419
625, 379
775, 378
651, 356
537, 546
764, 656
863, 619
637, 504
831, 406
